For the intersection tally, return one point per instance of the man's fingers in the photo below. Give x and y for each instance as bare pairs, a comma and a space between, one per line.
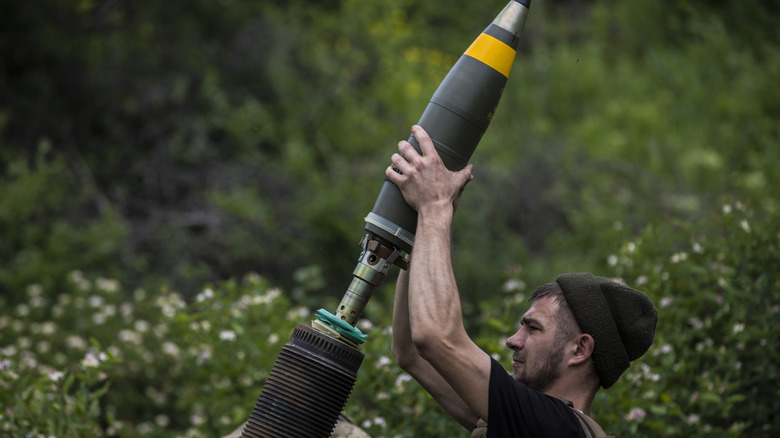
392, 174
400, 163
426, 144
466, 174
407, 151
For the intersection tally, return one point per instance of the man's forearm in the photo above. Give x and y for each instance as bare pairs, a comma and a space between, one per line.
403, 348
434, 304
457, 364
409, 359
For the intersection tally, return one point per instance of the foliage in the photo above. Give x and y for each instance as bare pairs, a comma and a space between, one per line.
713, 368
174, 144
213, 139
92, 362
43, 236
157, 365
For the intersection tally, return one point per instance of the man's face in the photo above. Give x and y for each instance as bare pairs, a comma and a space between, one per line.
538, 358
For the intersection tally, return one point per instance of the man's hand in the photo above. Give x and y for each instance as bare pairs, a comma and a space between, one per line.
424, 180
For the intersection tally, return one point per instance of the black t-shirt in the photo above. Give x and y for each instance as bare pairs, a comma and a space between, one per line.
515, 410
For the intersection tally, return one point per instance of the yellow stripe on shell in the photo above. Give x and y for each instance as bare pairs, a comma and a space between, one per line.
493, 52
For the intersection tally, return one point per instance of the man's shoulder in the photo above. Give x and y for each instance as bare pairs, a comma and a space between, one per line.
590, 426
517, 410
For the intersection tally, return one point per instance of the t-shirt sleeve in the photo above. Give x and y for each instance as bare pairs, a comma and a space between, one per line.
514, 410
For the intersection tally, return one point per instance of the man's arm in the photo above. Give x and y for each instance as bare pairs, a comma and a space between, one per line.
409, 359
435, 312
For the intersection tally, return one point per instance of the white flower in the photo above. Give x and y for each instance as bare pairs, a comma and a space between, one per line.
403, 377
744, 225
96, 301
383, 361
738, 327
635, 414
203, 354
107, 285
48, 328
77, 277
170, 349
126, 335
695, 322
34, 290
274, 338
36, 302
55, 376
514, 284
90, 361
297, 313
227, 335
205, 295
98, 318
22, 310
43, 347
141, 326
126, 309
268, 297
76, 342
162, 420
612, 260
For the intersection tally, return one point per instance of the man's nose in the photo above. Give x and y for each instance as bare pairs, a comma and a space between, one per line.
515, 342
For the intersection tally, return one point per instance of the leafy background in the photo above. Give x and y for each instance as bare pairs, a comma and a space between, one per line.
183, 182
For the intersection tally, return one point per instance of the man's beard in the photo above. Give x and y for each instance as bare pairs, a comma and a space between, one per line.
546, 373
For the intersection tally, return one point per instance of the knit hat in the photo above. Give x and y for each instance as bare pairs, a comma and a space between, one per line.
621, 320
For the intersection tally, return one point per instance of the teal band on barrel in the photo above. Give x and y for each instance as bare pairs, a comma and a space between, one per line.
352, 333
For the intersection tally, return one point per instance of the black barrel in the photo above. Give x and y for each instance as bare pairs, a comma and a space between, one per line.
307, 389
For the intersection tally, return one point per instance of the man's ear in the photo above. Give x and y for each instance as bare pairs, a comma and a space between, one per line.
582, 346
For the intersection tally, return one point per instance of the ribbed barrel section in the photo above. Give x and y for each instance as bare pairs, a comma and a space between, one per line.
307, 389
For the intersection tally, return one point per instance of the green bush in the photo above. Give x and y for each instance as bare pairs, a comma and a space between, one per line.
89, 361
155, 144
149, 366
713, 369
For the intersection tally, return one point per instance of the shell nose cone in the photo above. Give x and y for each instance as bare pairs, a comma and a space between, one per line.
512, 17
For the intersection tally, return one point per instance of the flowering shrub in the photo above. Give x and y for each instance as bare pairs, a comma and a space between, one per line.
93, 359
90, 361
713, 369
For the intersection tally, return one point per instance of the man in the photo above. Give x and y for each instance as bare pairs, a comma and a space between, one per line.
580, 332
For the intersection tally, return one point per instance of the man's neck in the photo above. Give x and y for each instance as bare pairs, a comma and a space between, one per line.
574, 389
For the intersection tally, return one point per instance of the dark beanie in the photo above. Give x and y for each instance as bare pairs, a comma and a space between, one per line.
621, 321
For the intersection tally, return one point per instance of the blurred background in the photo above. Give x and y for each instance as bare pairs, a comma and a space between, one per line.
174, 145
